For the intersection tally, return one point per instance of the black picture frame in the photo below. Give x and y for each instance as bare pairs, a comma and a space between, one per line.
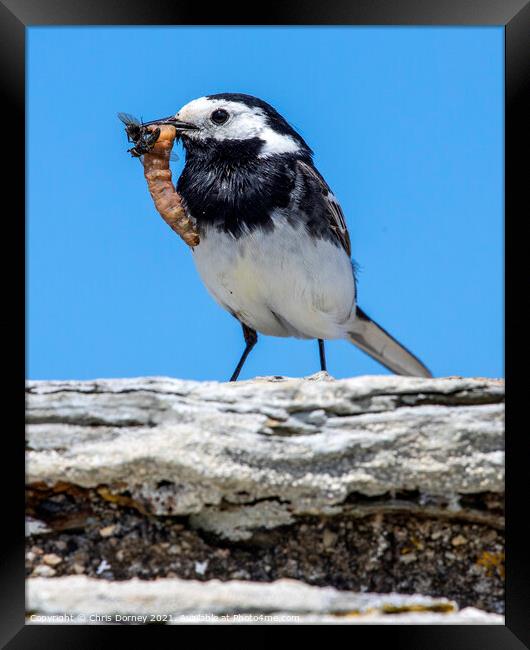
16, 16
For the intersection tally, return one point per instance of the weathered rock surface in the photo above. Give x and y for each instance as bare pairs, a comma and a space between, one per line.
177, 601
308, 443
376, 483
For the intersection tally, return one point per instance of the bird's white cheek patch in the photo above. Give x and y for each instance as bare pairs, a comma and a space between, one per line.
276, 143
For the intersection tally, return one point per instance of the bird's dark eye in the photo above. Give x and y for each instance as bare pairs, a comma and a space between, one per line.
219, 116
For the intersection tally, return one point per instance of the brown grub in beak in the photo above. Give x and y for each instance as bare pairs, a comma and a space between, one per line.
158, 175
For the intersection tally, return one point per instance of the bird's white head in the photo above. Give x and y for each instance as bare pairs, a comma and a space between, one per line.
235, 118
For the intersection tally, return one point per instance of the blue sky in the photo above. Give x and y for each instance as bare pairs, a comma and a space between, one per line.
407, 128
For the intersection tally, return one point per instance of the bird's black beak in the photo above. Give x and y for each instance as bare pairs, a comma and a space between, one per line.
173, 121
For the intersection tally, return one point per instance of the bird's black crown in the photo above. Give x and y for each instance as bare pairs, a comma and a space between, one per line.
274, 119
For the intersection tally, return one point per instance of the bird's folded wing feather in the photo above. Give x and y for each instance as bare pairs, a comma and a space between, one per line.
333, 212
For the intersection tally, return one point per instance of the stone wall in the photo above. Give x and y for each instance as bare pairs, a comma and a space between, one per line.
376, 487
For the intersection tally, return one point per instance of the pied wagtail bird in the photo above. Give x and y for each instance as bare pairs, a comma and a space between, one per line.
274, 248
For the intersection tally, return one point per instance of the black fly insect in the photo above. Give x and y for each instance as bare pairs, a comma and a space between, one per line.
142, 138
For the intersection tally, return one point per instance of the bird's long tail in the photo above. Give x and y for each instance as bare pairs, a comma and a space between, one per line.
375, 341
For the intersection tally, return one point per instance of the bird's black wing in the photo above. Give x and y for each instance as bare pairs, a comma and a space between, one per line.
325, 217
325, 204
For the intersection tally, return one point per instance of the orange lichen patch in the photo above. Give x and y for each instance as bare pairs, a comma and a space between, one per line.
354, 612
436, 607
388, 608
38, 491
56, 488
167, 200
77, 503
417, 543
492, 562
120, 499
70, 513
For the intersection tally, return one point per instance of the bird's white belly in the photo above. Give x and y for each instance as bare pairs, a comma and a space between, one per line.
280, 282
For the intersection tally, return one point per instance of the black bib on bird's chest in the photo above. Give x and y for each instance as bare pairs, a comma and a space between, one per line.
226, 184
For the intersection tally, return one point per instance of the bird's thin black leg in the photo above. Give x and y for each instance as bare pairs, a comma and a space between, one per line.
322, 352
251, 338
